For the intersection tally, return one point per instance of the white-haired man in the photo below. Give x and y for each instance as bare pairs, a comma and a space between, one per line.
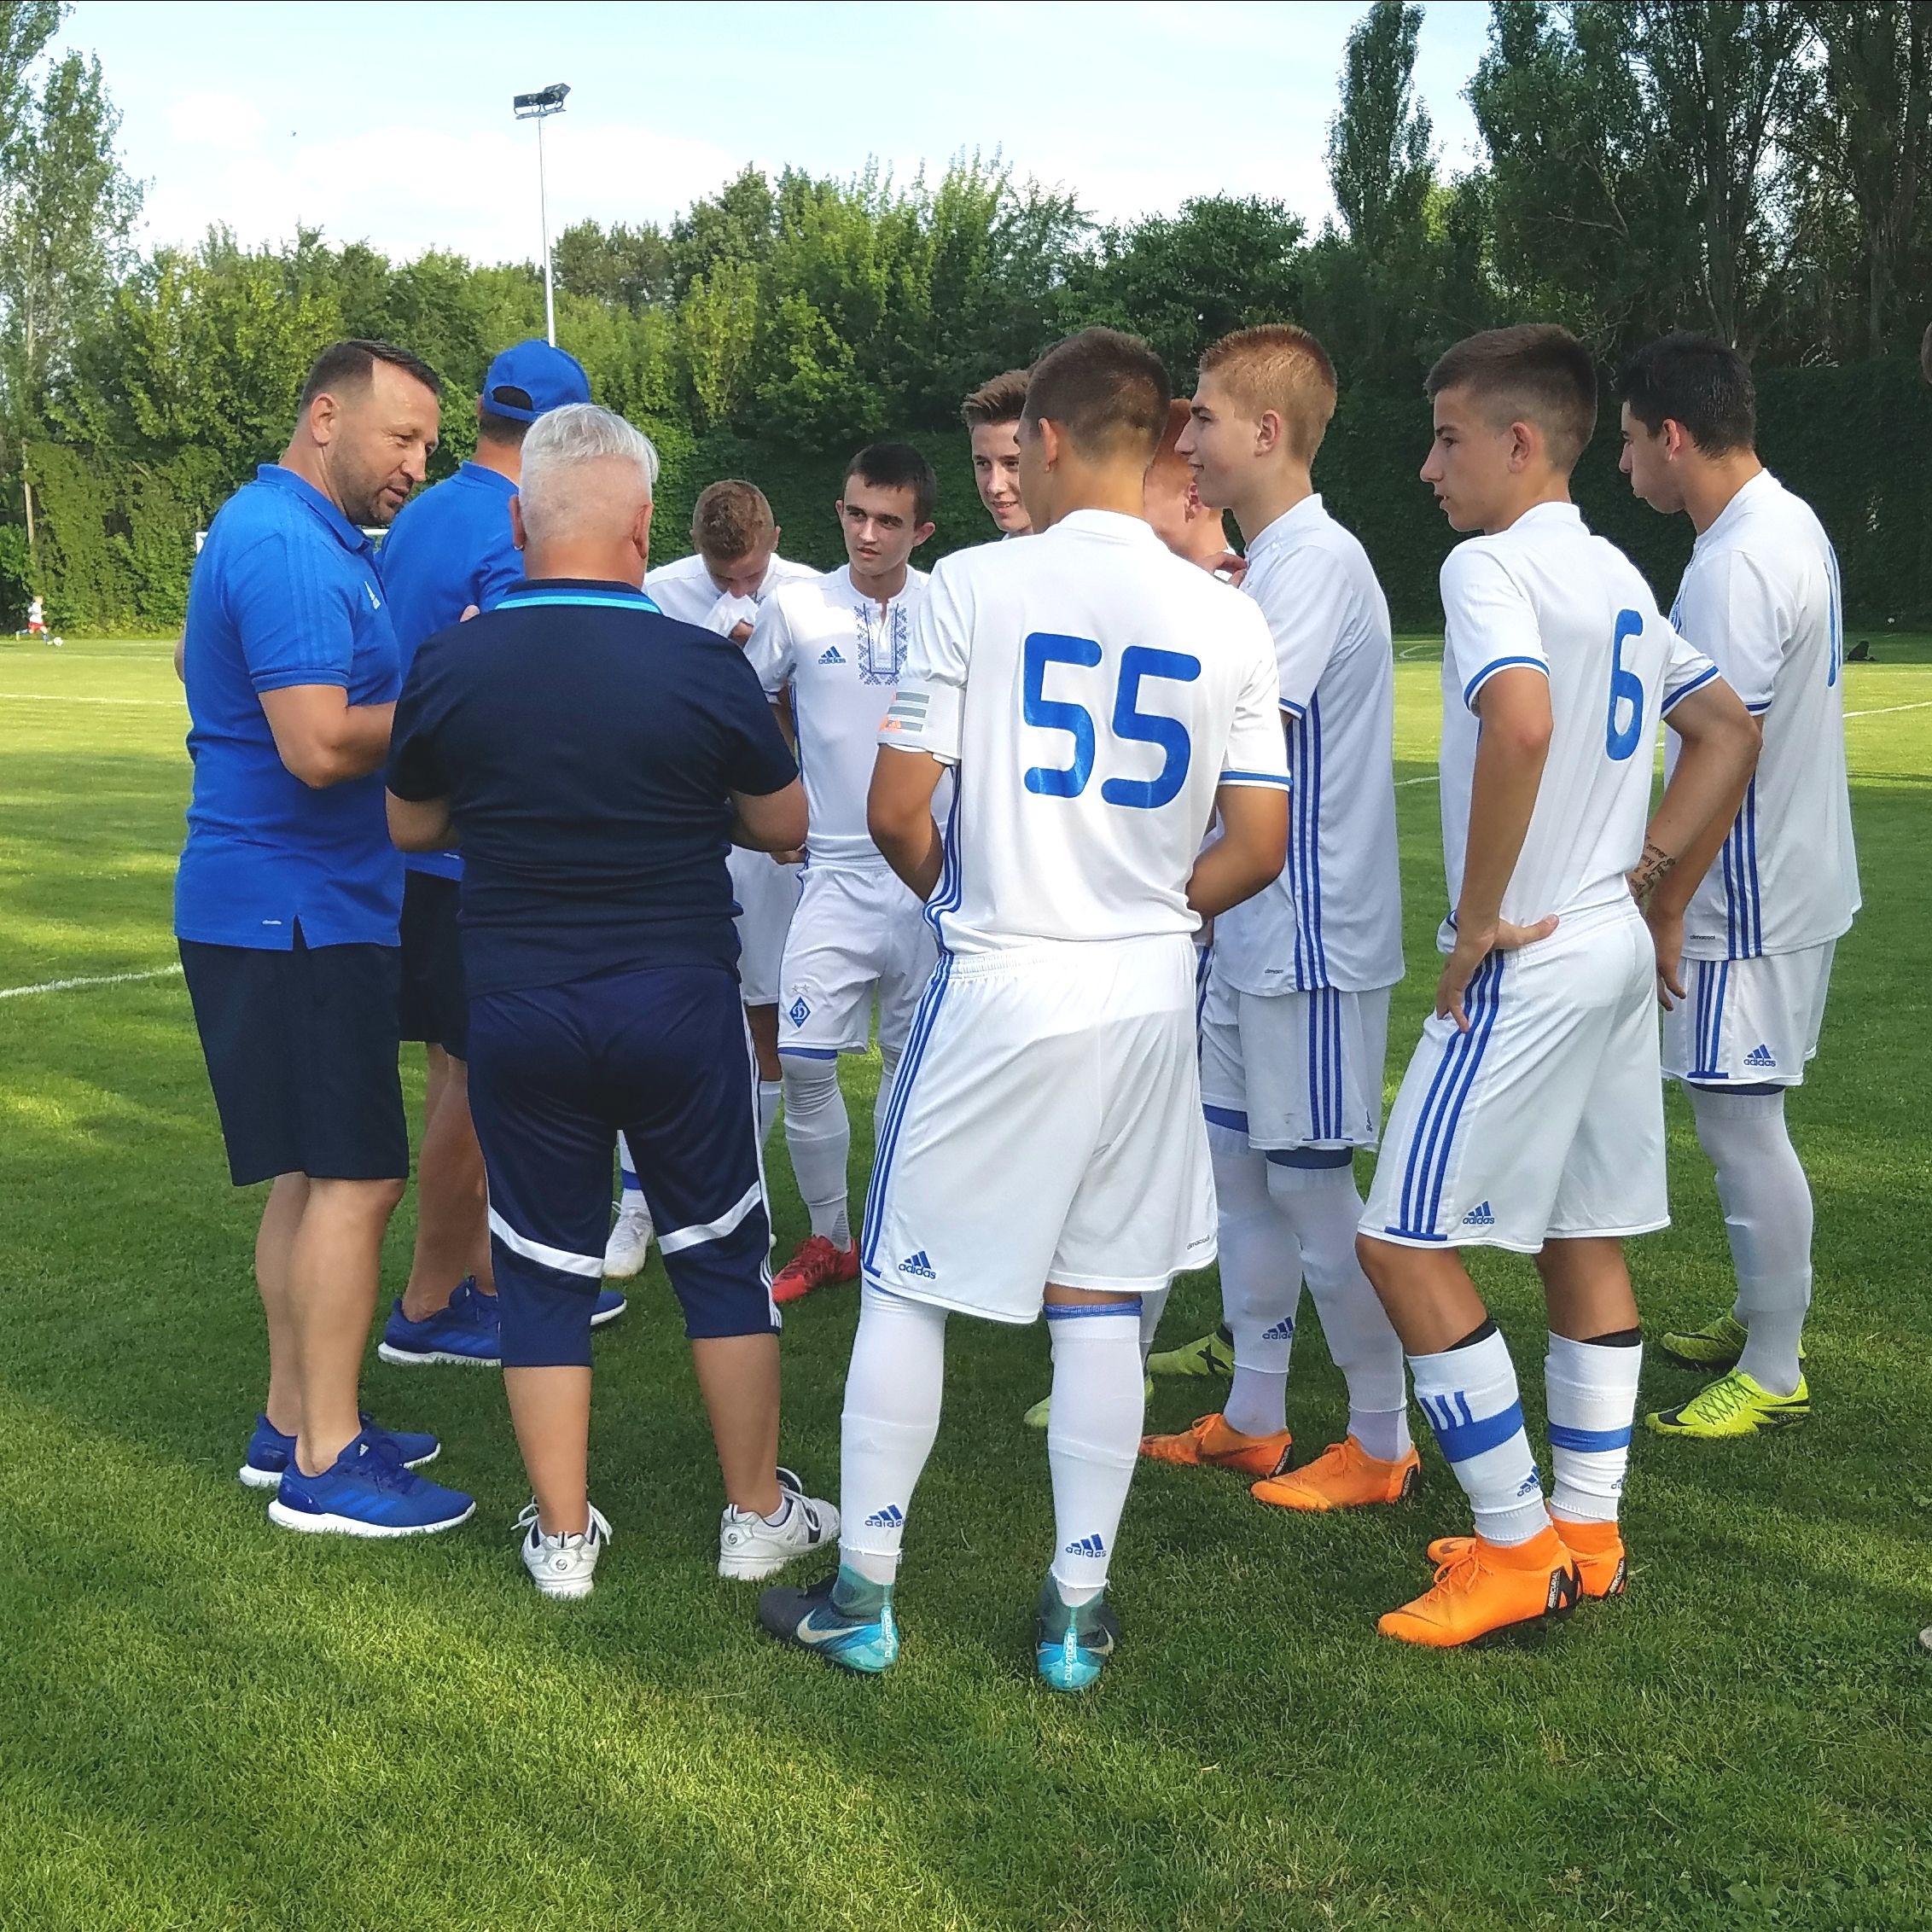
596, 760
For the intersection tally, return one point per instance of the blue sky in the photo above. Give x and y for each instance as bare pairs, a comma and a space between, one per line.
391, 123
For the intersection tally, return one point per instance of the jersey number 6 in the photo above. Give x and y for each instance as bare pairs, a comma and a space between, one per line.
1627, 688
1138, 665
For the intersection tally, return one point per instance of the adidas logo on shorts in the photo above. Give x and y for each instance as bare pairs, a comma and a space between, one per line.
1761, 1056
890, 1517
830, 655
1086, 1546
798, 1012
1480, 1216
919, 1265
1283, 1331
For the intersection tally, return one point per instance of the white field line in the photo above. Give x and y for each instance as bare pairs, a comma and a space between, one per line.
1885, 710
64, 697
95, 979
1427, 778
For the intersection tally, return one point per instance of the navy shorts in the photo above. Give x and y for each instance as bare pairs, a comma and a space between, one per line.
435, 1002
302, 1053
555, 1072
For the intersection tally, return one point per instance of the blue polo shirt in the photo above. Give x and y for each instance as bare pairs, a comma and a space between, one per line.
449, 548
588, 746
285, 592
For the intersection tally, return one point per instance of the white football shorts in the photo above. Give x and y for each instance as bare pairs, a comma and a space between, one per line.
1045, 1126
1748, 1022
855, 929
1545, 1120
766, 892
1295, 1069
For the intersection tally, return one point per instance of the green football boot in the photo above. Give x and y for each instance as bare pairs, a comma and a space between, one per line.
1041, 1413
1212, 1355
1734, 1405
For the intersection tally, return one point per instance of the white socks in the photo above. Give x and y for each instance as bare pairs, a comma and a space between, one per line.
768, 1092
1094, 1437
627, 1179
1261, 1283
892, 1414
1153, 1306
1471, 1396
819, 1136
1322, 1207
1767, 1214
1592, 1391
888, 1072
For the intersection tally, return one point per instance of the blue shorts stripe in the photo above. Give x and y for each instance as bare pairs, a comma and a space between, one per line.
1231, 1118
921, 1031
1482, 1024
1072, 1311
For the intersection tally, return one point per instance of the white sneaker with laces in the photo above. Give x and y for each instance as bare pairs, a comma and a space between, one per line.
629, 1240
751, 1546
562, 1566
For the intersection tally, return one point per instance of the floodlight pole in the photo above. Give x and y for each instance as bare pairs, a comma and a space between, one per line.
544, 218
539, 106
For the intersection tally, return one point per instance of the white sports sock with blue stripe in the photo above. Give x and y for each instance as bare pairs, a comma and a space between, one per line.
1592, 1388
1093, 1439
1471, 1396
1261, 1283
892, 1414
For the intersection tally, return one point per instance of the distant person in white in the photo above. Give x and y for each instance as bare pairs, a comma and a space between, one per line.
1760, 599
1098, 700
829, 652
1296, 1020
734, 566
1530, 1117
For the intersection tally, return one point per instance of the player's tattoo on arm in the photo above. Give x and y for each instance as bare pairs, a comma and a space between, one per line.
1651, 871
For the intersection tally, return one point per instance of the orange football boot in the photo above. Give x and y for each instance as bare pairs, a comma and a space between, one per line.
1211, 1444
1601, 1560
1344, 1477
1482, 1587
817, 1264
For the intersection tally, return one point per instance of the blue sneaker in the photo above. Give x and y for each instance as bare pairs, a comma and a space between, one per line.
844, 1620
367, 1491
611, 1303
1074, 1643
270, 1450
467, 1333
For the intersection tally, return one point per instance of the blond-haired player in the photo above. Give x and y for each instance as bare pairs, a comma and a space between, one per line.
1530, 1117
991, 416
1296, 1016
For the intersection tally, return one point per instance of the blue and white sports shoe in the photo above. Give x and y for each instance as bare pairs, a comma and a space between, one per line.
611, 1303
269, 1450
1074, 1642
367, 1491
844, 1619
467, 1333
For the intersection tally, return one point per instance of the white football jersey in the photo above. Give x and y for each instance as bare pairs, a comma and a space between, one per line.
1334, 918
1546, 593
1094, 692
841, 652
1760, 598
685, 589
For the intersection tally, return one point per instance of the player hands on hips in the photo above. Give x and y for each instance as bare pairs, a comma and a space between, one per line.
1530, 1117
1097, 700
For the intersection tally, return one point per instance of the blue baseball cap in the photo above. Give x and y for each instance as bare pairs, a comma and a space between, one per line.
529, 379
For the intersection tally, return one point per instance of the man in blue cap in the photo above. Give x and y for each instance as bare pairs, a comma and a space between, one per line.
285, 909
452, 552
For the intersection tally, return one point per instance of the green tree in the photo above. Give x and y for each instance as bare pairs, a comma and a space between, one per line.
718, 325
620, 265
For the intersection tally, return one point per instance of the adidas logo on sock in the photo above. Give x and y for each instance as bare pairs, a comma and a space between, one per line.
1086, 1546
1531, 1485
830, 655
919, 1265
1761, 1056
798, 1012
891, 1517
1283, 1331
1480, 1216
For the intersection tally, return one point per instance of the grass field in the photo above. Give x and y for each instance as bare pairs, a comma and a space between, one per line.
206, 1723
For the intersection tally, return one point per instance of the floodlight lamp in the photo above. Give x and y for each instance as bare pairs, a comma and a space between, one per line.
544, 101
